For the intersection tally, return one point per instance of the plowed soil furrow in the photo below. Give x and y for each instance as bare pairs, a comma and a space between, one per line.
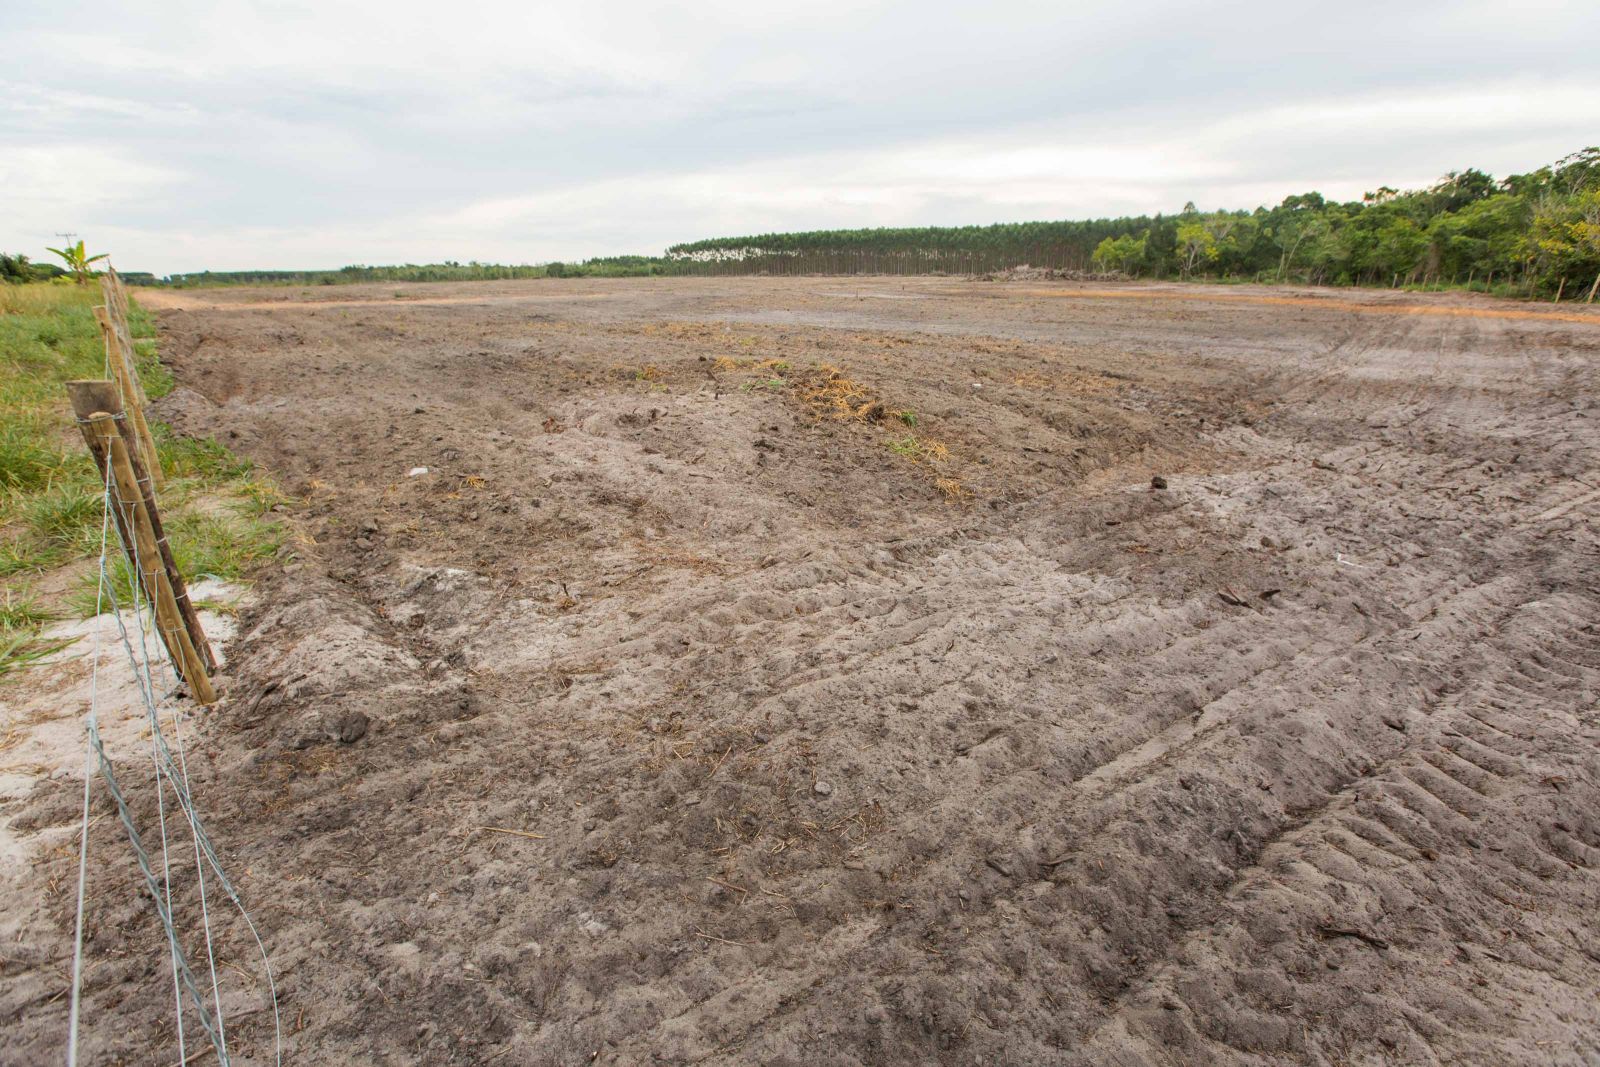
925, 727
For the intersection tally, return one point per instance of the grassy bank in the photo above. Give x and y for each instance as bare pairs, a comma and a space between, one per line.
50, 495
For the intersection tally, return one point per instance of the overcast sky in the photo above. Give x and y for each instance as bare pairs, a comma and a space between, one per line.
230, 135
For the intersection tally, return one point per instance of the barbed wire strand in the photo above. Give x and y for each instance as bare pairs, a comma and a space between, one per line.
88, 782
143, 676
183, 978
142, 857
166, 865
177, 778
141, 594
141, 662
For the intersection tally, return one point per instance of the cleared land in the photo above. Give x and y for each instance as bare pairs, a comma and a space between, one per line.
868, 702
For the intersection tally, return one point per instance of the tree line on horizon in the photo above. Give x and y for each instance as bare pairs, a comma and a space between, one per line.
1529, 234
1534, 234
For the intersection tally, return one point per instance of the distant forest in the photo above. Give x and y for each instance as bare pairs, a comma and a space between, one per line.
1535, 234
1529, 234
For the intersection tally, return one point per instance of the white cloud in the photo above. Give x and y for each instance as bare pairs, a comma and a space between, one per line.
1041, 171
62, 181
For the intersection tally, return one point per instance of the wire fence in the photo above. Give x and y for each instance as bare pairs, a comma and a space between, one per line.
197, 1000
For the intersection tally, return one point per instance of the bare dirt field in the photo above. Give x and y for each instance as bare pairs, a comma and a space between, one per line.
855, 697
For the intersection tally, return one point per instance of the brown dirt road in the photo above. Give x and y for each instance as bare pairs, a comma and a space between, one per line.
880, 740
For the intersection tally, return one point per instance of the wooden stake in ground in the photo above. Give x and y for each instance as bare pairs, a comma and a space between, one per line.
97, 398
119, 350
116, 295
180, 589
116, 301
97, 405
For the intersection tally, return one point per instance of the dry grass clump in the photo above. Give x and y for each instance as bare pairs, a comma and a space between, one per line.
731, 363
831, 393
827, 391
652, 375
928, 453
919, 449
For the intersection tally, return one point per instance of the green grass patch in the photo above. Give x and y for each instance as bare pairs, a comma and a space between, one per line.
20, 610
22, 616
204, 545
19, 650
88, 598
26, 461
215, 506
63, 516
918, 449
199, 458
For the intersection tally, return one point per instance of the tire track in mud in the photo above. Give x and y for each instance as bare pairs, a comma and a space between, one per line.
860, 643
1010, 792
845, 965
1163, 749
1005, 794
1328, 302
1469, 796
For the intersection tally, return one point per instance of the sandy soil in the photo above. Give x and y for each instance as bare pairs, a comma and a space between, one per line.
848, 741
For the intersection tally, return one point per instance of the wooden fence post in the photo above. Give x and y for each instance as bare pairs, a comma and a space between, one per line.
98, 407
116, 302
116, 295
119, 349
180, 589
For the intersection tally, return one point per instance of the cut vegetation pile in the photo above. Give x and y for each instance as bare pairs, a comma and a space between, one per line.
828, 392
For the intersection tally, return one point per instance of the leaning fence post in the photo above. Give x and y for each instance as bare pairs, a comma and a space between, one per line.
180, 590
111, 284
141, 443
119, 348
116, 300
101, 418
